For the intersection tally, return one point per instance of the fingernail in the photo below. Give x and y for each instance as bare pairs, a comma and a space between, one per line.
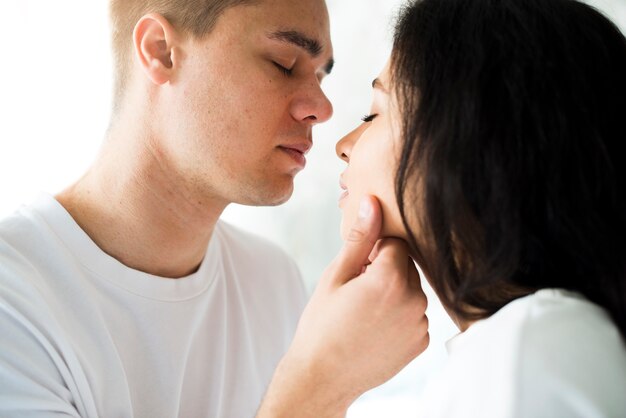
365, 209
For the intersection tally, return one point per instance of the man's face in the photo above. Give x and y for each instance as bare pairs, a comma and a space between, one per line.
239, 113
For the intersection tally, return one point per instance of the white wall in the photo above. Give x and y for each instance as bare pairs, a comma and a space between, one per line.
55, 76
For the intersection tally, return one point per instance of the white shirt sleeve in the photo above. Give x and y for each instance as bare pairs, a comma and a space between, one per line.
31, 384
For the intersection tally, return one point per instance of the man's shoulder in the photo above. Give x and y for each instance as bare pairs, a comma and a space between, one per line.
31, 227
28, 249
18, 224
19, 233
23, 286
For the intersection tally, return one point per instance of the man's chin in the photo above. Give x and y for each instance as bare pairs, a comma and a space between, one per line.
272, 197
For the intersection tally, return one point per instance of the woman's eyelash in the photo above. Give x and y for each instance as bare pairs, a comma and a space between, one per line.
285, 71
369, 118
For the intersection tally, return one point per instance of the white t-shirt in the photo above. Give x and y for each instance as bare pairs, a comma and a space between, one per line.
84, 335
552, 354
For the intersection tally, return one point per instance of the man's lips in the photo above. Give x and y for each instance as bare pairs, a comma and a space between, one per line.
302, 147
297, 151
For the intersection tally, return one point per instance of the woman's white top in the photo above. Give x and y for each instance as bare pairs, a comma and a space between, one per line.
552, 354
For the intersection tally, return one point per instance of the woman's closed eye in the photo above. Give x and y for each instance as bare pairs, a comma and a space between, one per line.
369, 118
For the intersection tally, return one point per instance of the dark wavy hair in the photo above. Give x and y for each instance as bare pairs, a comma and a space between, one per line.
512, 168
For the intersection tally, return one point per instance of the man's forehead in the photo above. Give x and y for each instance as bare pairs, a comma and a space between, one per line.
302, 23
308, 17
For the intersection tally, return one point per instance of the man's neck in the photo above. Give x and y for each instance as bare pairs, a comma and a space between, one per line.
139, 211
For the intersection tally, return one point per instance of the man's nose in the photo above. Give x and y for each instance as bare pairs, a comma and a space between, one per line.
312, 106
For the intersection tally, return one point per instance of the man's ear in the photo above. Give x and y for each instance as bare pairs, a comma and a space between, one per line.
154, 41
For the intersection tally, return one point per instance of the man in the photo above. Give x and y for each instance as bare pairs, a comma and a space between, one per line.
124, 295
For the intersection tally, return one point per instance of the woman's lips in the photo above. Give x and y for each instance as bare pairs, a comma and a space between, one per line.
345, 192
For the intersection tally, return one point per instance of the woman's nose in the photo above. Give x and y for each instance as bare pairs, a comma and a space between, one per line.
345, 144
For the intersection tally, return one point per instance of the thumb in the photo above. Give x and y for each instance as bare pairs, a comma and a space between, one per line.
360, 242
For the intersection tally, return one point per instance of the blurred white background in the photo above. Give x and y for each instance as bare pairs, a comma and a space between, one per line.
56, 80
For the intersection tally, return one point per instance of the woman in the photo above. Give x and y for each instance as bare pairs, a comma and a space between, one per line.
494, 148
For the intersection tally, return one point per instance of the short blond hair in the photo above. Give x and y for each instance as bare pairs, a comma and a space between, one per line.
195, 17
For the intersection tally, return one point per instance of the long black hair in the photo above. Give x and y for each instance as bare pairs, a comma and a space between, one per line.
514, 125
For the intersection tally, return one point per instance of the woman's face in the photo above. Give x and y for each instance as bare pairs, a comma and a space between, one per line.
372, 151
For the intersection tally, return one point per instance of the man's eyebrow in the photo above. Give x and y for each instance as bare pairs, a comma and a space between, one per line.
310, 45
377, 84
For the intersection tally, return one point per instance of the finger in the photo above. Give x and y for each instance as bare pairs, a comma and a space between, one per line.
390, 262
413, 277
361, 240
415, 285
374, 252
392, 255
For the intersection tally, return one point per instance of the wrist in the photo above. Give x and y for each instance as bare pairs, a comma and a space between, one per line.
299, 390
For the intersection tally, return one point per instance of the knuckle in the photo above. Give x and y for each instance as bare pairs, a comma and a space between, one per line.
421, 345
425, 342
356, 235
422, 302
